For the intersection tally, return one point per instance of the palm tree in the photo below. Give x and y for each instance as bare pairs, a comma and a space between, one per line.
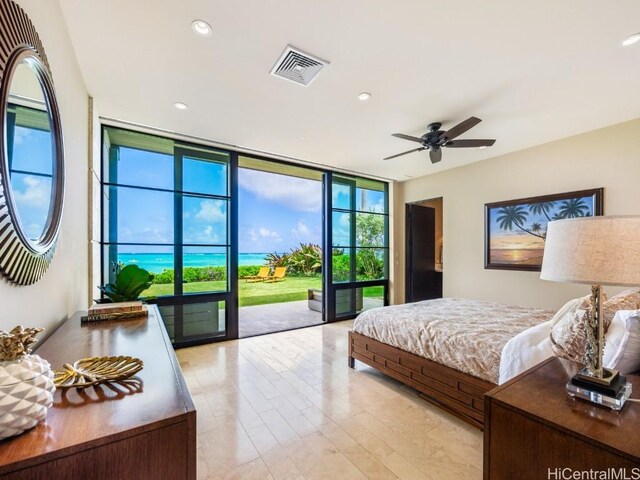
544, 208
572, 208
514, 216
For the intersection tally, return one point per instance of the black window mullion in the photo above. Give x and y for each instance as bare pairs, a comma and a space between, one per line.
232, 257
178, 310
329, 304
178, 249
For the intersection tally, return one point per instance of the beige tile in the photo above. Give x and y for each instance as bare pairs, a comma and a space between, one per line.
286, 406
403, 469
254, 470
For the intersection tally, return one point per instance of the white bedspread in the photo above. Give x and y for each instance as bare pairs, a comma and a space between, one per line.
467, 335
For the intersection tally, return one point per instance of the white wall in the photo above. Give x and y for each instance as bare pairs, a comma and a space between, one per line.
608, 158
63, 289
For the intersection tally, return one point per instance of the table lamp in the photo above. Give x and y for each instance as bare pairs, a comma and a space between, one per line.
595, 251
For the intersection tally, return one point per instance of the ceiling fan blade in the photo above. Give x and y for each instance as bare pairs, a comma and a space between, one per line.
406, 137
469, 143
462, 127
404, 153
435, 154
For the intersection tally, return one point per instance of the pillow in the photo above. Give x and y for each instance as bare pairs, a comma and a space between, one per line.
568, 334
622, 348
627, 300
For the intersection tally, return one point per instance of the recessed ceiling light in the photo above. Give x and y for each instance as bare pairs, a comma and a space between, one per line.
631, 39
181, 106
201, 28
364, 96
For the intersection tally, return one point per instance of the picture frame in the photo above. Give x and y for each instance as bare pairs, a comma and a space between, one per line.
515, 229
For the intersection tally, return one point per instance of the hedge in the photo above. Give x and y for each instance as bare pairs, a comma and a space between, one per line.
204, 274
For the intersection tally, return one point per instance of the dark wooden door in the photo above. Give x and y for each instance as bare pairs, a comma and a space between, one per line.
422, 282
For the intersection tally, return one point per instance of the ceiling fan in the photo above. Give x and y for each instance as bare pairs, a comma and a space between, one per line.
435, 139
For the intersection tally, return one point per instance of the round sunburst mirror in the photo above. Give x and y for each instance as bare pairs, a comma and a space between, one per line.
31, 153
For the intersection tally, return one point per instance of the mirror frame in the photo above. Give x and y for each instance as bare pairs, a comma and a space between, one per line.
24, 261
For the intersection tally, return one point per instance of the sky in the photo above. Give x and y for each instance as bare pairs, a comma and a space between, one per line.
276, 212
32, 193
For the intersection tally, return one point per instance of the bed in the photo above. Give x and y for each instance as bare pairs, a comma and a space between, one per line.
452, 350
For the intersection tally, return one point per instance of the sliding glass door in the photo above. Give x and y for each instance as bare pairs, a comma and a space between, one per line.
168, 208
357, 245
172, 208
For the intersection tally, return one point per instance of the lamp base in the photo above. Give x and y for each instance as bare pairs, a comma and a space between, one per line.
612, 390
609, 384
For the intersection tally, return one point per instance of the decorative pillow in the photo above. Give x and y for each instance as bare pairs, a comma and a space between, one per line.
622, 349
627, 300
568, 334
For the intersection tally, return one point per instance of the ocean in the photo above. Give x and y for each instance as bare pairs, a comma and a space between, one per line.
157, 262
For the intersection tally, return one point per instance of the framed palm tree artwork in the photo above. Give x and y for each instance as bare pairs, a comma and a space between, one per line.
515, 230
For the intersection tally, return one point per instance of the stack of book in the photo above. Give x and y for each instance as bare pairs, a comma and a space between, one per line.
115, 311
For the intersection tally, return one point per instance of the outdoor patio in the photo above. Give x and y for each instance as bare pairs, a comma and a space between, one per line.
276, 317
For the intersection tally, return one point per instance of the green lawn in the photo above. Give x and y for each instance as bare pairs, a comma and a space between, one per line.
259, 293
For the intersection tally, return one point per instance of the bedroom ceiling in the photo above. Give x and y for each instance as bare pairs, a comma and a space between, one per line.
532, 71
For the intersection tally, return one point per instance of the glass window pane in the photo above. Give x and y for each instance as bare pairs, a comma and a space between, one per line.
370, 230
205, 269
349, 301
194, 321
352, 301
32, 194
373, 297
341, 196
342, 268
204, 221
138, 216
342, 229
131, 166
371, 263
157, 260
32, 149
370, 200
205, 176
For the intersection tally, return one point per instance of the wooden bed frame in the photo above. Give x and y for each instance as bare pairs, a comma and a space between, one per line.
458, 393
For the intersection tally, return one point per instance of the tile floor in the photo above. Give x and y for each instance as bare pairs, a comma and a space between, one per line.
286, 406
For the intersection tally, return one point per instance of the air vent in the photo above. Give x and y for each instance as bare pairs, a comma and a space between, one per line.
297, 66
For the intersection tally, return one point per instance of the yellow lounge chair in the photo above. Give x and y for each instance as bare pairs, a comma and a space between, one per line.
262, 275
278, 275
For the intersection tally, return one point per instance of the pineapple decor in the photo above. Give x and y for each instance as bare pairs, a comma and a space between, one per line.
26, 382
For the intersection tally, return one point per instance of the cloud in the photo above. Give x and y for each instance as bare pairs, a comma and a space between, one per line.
21, 135
212, 211
36, 192
155, 235
296, 193
264, 233
301, 230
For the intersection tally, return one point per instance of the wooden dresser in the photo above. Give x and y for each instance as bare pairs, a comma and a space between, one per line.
532, 428
144, 430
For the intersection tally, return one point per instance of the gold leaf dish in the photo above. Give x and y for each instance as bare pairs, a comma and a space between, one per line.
94, 370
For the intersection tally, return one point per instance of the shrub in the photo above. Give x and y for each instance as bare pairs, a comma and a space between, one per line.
305, 260
248, 270
163, 278
204, 274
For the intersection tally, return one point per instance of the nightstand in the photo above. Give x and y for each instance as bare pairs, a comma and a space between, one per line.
533, 430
